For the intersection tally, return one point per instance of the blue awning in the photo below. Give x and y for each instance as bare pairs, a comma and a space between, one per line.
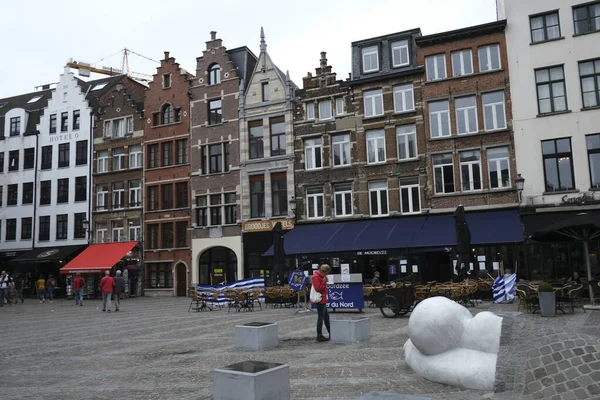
487, 227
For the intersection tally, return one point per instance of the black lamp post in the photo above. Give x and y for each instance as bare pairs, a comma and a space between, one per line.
520, 182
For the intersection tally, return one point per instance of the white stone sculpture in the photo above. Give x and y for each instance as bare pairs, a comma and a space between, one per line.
448, 345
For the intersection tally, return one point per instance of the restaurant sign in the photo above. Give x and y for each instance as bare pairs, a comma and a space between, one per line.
263, 226
345, 295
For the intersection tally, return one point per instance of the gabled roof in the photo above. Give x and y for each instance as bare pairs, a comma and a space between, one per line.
24, 101
92, 95
245, 61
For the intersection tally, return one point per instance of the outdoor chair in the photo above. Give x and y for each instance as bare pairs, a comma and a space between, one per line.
573, 296
256, 292
273, 295
368, 294
215, 299
195, 300
522, 296
233, 299
420, 292
288, 295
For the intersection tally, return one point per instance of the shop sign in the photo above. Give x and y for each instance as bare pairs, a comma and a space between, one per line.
64, 138
297, 280
345, 295
263, 226
372, 253
47, 253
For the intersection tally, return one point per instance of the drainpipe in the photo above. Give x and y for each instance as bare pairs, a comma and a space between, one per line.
35, 187
90, 180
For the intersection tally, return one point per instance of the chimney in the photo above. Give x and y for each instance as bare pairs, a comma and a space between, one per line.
166, 55
213, 35
323, 61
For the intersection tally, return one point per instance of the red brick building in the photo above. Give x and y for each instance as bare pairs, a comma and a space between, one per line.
167, 267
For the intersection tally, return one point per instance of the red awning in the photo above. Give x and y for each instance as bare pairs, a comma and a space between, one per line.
98, 257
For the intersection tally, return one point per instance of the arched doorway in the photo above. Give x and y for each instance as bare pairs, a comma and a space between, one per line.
217, 265
181, 279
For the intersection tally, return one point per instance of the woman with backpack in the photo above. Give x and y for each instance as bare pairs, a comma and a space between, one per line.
51, 284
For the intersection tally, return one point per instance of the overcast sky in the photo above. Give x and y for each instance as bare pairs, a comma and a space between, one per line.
39, 36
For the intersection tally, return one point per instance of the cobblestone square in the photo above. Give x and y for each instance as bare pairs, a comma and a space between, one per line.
155, 349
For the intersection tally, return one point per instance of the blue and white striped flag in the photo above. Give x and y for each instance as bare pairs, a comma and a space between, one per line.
504, 288
246, 284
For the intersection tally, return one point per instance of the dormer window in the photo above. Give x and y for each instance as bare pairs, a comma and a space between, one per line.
166, 81
214, 74
167, 114
15, 126
400, 53
370, 59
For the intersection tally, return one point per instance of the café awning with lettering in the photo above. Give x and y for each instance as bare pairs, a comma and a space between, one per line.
98, 257
48, 254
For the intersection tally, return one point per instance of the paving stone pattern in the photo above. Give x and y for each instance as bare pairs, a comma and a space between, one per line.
154, 349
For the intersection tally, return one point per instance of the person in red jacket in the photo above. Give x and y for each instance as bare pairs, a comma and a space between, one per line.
78, 285
319, 282
107, 284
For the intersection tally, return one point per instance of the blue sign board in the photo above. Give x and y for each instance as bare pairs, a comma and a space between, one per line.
345, 295
297, 280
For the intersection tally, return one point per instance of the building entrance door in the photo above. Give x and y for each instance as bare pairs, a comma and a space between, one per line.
181, 275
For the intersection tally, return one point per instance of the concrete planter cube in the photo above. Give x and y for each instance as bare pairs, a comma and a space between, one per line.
256, 336
547, 303
252, 380
350, 330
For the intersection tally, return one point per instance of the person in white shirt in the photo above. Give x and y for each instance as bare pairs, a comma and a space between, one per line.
4, 280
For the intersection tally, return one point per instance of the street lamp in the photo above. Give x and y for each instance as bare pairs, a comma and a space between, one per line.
86, 227
293, 204
520, 182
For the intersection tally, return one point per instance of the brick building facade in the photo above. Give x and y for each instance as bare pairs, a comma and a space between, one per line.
215, 178
167, 266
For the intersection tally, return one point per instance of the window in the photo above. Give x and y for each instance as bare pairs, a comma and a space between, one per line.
81, 188
81, 152
11, 229
216, 158
325, 110
410, 195
15, 126
118, 159
551, 89
167, 196
181, 194
153, 236
279, 193
44, 233
587, 18
62, 195
1, 194
153, 156
544, 27
593, 148
498, 167
27, 193
181, 147
230, 208
78, 228
167, 152
256, 139
76, 120
45, 192
462, 63
167, 235
436, 67
214, 74
443, 173
2, 161
46, 157
12, 194
135, 230
314, 202
64, 122
118, 128
439, 118
101, 234
118, 231
135, 156
215, 112
102, 197
339, 106
129, 124
400, 53
62, 226
118, 195
375, 146
313, 150
13, 160
373, 103
277, 136
215, 210
64, 152
470, 170
160, 275
182, 233
201, 211
155, 119
135, 193
342, 193
166, 81
266, 96
310, 111
341, 150
489, 58
494, 116
257, 196
370, 59
466, 115
589, 73
53, 123
406, 137
26, 228
152, 197
102, 161
378, 198
404, 98
558, 165
167, 114
29, 158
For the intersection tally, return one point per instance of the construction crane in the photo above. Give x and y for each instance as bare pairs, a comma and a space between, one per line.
86, 68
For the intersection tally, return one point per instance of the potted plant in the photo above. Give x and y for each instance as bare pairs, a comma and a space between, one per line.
547, 299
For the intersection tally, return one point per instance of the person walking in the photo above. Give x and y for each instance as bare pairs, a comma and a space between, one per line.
11, 291
78, 285
50, 285
4, 281
376, 282
119, 289
40, 286
319, 282
107, 285
19, 288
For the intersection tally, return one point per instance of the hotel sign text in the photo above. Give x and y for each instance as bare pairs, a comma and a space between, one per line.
64, 137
